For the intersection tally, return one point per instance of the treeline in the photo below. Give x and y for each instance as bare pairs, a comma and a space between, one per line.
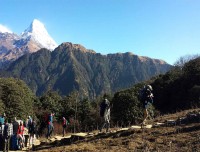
176, 90
179, 88
17, 100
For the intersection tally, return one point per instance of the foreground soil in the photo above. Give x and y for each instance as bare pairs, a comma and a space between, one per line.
171, 137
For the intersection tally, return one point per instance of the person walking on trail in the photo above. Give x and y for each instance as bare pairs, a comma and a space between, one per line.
50, 125
147, 98
65, 123
8, 131
32, 132
29, 121
20, 134
105, 113
14, 141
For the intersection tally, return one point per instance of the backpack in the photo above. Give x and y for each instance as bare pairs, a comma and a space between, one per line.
32, 127
142, 94
46, 118
103, 107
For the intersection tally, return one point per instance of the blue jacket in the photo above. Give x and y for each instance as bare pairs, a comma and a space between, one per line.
2, 120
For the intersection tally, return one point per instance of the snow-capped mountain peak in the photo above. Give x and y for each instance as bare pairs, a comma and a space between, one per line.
4, 29
38, 33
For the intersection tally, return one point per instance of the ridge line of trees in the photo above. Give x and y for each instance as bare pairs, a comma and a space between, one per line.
176, 90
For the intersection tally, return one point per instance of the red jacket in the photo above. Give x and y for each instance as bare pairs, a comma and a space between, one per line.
20, 130
64, 121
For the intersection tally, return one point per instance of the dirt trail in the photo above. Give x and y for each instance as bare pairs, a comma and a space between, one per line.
176, 132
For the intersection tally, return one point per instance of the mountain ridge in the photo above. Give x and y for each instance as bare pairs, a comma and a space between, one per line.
12, 46
72, 67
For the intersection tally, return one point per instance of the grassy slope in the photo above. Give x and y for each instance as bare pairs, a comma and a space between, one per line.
172, 138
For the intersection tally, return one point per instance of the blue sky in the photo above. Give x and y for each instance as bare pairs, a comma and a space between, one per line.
163, 29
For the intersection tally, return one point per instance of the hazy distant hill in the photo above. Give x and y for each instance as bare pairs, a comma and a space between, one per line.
72, 67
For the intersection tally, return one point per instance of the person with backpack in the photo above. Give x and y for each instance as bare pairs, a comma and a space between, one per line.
105, 113
20, 135
65, 123
29, 121
50, 125
32, 132
14, 140
146, 96
8, 131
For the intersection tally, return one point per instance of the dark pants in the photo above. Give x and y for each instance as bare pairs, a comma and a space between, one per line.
105, 124
6, 144
26, 140
50, 130
1, 142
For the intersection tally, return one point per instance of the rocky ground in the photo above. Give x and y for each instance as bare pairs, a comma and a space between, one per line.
175, 132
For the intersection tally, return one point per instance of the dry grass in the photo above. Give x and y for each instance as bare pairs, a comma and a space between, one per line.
184, 138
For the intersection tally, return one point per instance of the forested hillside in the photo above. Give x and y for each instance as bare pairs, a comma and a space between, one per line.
72, 67
176, 90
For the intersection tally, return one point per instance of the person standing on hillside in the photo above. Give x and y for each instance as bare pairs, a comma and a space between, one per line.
105, 113
50, 125
14, 141
65, 123
8, 131
20, 134
28, 124
32, 132
147, 98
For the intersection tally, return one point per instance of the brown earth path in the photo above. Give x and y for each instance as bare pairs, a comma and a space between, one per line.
163, 135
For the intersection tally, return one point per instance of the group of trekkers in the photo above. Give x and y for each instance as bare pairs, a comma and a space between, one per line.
15, 131
50, 126
16, 135
146, 97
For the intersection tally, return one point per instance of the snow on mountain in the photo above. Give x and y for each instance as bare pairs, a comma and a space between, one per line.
38, 33
31, 40
4, 29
